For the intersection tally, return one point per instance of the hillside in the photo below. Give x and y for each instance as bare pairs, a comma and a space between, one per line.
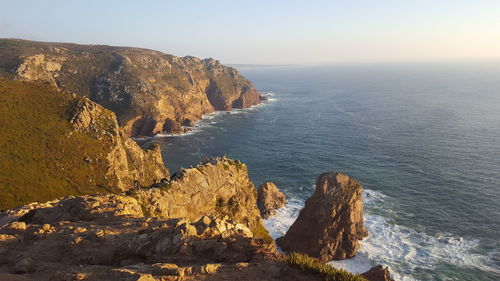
150, 92
54, 144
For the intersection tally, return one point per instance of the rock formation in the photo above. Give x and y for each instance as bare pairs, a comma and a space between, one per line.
217, 187
56, 144
113, 237
150, 92
378, 273
269, 198
331, 222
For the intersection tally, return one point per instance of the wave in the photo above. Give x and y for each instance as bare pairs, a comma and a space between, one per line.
401, 248
278, 224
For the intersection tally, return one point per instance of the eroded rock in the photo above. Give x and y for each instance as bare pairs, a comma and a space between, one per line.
218, 187
331, 222
378, 273
269, 198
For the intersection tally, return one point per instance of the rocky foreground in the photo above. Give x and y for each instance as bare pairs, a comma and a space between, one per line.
203, 224
65, 132
149, 91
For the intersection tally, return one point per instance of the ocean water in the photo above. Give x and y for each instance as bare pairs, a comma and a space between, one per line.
423, 139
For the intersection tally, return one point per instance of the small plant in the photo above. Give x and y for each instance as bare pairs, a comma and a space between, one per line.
259, 231
327, 272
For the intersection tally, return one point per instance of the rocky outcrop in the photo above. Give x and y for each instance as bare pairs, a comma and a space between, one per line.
128, 163
65, 145
331, 222
269, 198
218, 187
108, 237
150, 92
378, 273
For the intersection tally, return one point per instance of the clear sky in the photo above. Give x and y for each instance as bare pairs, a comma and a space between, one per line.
269, 32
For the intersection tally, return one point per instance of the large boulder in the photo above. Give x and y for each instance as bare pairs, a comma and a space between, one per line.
331, 223
378, 273
269, 198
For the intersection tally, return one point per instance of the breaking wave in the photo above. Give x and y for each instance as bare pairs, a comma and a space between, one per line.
401, 248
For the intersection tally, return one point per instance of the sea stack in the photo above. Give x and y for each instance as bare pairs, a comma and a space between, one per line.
269, 199
331, 222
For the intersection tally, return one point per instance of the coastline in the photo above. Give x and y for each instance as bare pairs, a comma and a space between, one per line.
198, 125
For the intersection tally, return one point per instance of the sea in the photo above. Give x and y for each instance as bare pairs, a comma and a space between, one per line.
422, 138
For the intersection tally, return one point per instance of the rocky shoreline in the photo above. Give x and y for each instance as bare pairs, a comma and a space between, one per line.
149, 91
202, 224
120, 215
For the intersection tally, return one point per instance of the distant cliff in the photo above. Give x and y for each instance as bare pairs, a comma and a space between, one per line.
54, 144
150, 92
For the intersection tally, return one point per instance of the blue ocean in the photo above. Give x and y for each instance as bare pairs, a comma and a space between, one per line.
422, 138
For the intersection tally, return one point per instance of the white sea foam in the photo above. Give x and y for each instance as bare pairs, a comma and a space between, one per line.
401, 248
279, 223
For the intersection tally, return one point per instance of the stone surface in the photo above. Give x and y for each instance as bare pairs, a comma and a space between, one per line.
331, 222
83, 208
269, 198
107, 238
150, 92
217, 187
378, 273
128, 163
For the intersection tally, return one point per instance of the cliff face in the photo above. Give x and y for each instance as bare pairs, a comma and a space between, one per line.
55, 144
149, 91
331, 222
219, 187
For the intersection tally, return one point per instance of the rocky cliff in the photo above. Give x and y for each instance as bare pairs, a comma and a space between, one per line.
201, 225
331, 222
150, 92
109, 238
217, 187
54, 144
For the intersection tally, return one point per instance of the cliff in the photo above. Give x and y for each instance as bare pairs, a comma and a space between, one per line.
150, 92
218, 187
202, 225
54, 144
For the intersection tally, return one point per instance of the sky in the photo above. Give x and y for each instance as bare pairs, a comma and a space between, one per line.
269, 32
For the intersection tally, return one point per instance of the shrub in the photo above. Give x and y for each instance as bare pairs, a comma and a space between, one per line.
327, 272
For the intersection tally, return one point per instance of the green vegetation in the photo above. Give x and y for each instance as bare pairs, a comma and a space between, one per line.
327, 272
259, 231
7, 43
177, 80
42, 157
239, 166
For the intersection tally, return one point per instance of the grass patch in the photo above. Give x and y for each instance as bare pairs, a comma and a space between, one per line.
259, 231
327, 272
41, 156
